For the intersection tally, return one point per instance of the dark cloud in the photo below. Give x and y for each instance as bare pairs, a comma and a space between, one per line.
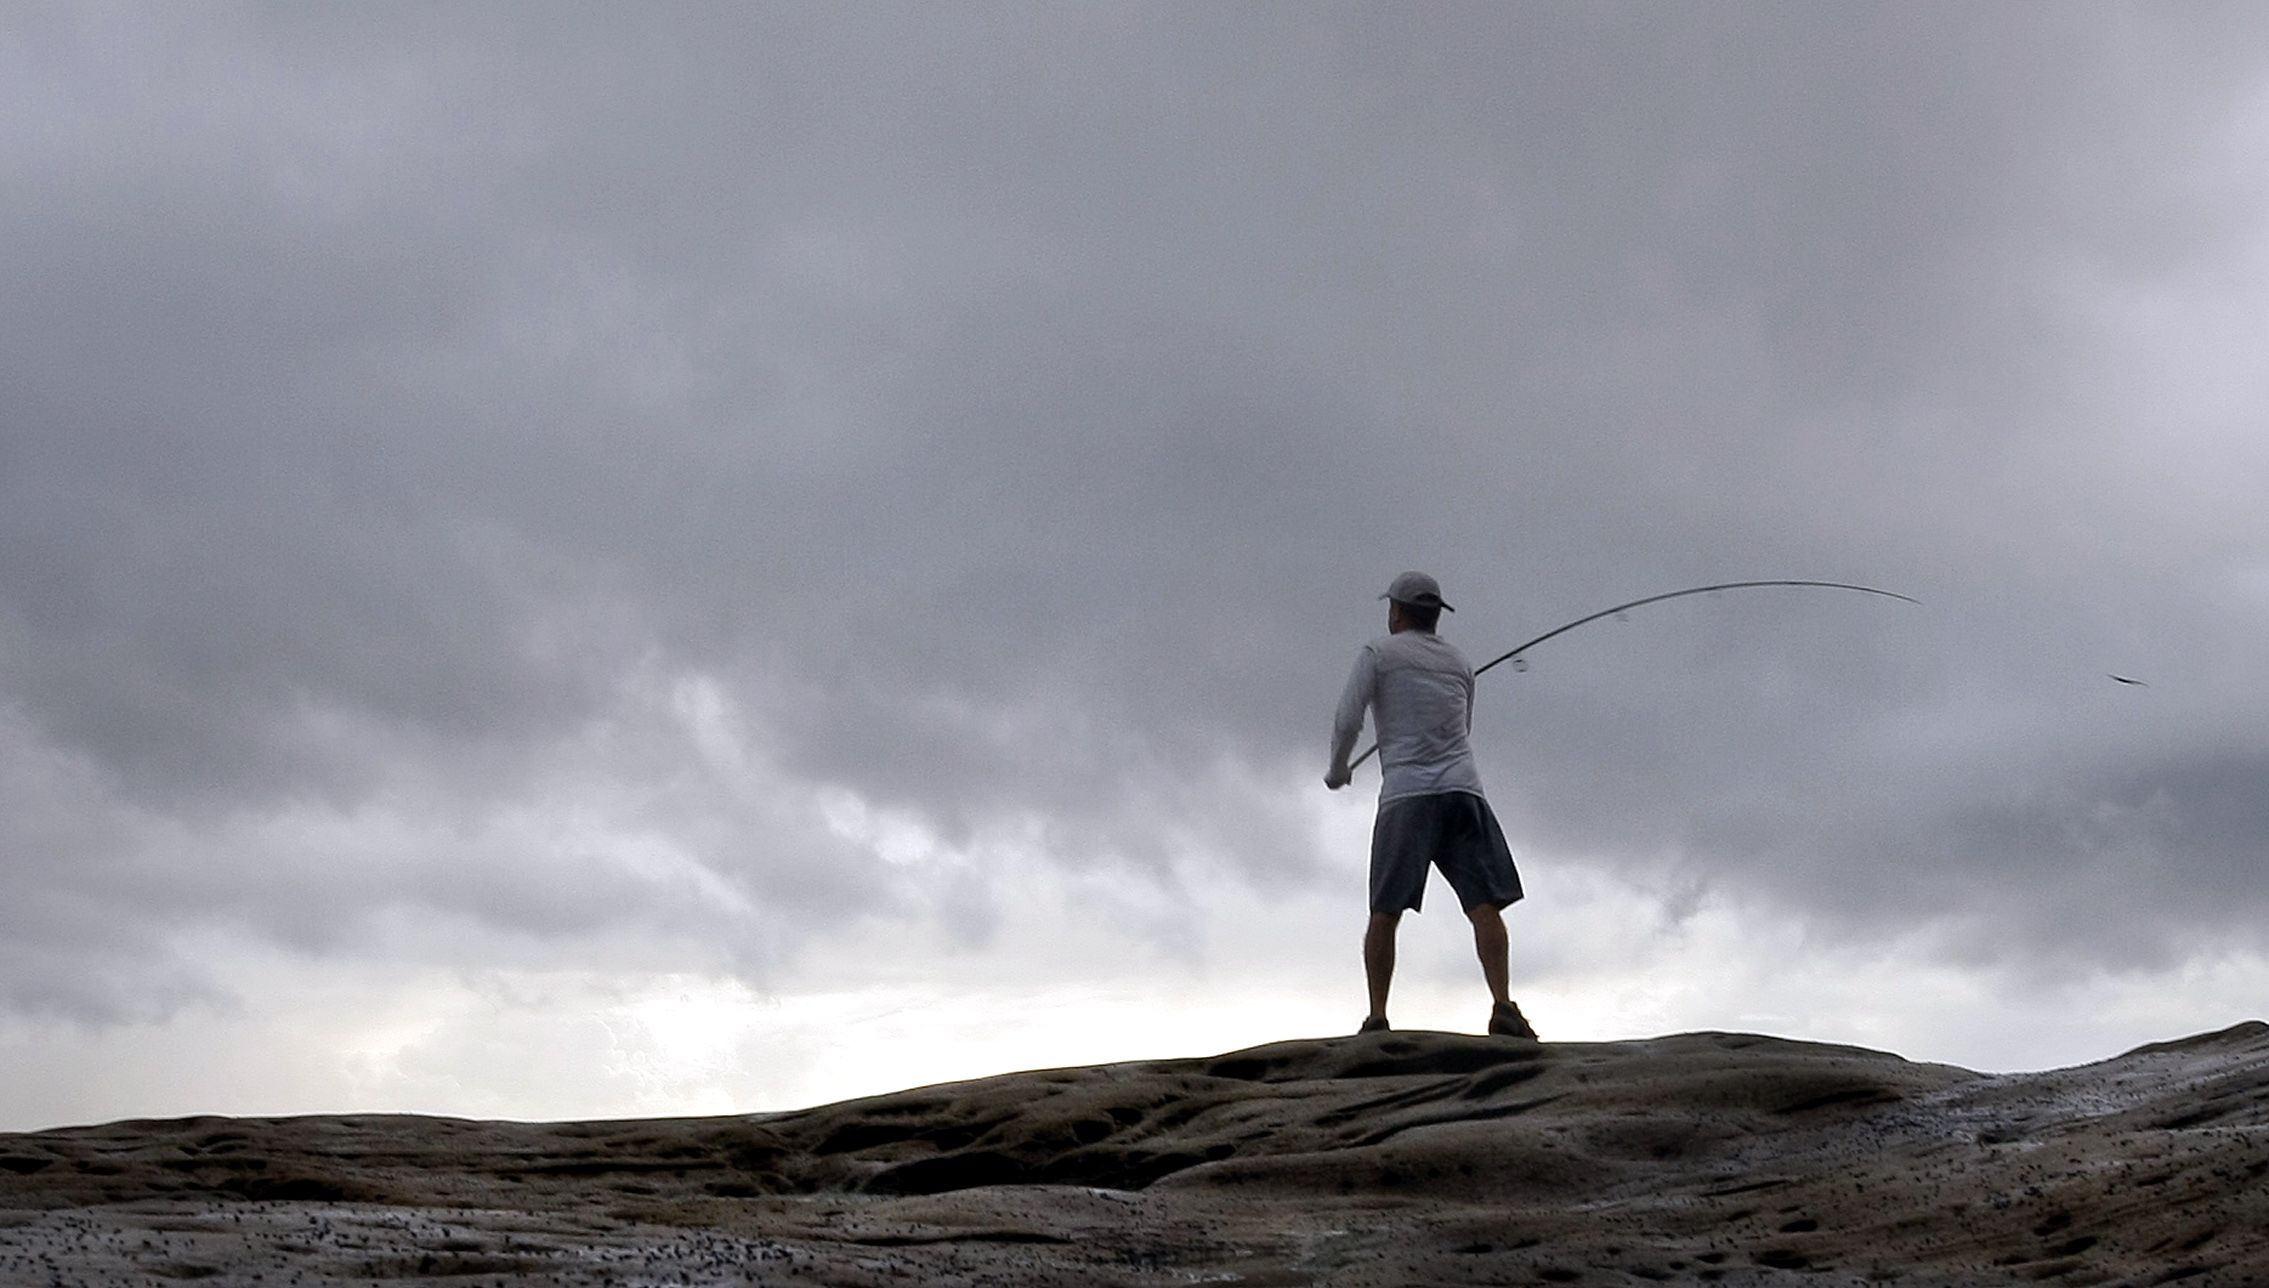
1013, 411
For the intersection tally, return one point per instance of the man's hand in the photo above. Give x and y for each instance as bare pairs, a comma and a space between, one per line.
1338, 776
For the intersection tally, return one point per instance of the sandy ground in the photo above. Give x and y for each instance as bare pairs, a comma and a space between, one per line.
1403, 1158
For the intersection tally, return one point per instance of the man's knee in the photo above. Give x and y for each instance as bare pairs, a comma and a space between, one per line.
1481, 914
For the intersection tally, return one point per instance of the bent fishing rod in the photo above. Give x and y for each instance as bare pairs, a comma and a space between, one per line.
1656, 599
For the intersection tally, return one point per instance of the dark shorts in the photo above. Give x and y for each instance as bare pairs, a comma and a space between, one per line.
1453, 831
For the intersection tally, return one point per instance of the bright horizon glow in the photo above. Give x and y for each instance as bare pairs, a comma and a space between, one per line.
562, 1044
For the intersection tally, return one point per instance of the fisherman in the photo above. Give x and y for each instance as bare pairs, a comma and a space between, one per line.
1419, 689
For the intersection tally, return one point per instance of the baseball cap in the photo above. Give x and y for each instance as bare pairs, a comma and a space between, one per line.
1419, 589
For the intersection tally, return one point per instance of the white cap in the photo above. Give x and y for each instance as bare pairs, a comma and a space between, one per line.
1418, 590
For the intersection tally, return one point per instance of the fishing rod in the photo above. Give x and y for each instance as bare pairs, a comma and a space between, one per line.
1656, 599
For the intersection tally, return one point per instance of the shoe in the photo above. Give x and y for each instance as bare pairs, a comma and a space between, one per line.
1374, 1024
1506, 1020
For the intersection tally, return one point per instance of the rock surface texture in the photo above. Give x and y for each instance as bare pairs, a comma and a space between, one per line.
1390, 1159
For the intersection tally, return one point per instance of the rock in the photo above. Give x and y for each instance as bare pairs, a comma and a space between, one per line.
1393, 1158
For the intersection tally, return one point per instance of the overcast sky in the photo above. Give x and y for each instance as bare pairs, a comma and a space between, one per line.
564, 561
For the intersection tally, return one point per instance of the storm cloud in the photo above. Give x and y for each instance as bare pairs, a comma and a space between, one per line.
642, 486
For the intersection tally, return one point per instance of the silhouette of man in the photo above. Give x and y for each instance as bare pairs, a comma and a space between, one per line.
1419, 690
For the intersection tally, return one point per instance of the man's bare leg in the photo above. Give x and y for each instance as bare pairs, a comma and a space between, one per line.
1489, 945
1378, 960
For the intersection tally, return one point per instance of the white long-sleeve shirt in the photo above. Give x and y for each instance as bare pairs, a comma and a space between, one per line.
1419, 690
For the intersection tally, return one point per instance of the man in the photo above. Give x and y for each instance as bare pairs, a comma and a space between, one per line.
1419, 690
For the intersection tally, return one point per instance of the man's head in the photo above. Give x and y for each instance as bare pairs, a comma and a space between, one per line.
1414, 602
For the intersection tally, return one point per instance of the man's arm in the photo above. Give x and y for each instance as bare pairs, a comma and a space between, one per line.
1347, 722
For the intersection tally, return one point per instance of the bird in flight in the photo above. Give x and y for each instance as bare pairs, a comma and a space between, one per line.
2137, 683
